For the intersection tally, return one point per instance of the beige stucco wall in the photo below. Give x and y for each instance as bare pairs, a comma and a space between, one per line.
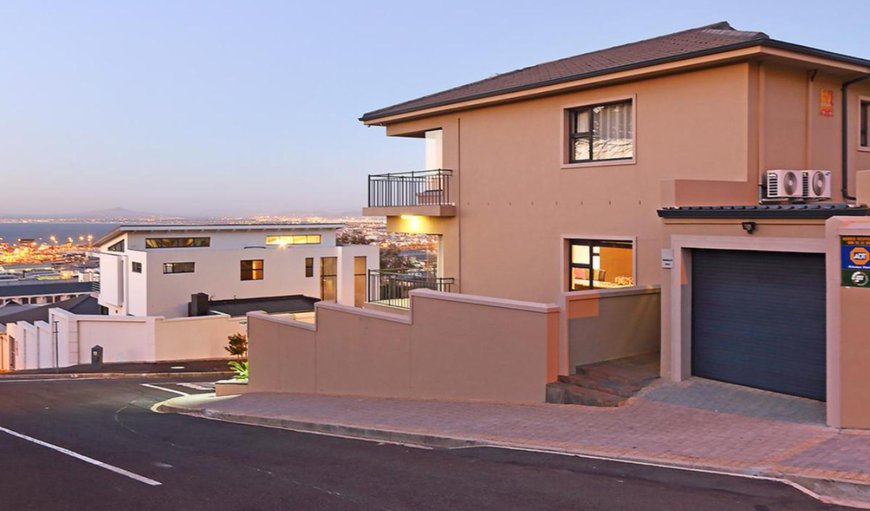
848, 335
517, 201
702, 137
611, 323
452, 346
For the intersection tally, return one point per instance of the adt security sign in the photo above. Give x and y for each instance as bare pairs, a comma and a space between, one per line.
855, 261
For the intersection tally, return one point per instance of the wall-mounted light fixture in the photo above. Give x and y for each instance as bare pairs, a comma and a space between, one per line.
749, 227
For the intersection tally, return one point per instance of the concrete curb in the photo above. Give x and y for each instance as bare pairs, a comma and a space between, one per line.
342, 430
837, 492
93, 376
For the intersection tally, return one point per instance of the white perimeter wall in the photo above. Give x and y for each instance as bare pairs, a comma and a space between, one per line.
123, 339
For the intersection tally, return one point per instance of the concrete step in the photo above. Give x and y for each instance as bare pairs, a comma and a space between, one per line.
631, 371
565, 393
618, 387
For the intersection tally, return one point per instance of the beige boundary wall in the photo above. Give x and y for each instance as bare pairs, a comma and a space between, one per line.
124, 339
451, 347
848, 332
606, 324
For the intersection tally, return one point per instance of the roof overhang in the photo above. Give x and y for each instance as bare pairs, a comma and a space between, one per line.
723, 55
213, 228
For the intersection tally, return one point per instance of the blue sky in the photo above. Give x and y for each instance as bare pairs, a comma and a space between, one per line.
251, 107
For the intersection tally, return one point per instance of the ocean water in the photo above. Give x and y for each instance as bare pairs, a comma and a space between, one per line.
42, 231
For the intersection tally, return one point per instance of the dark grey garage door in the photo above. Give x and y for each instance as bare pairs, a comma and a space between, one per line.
758, 319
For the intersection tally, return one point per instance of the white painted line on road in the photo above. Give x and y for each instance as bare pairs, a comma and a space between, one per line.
194, 386
164, 389
82, 457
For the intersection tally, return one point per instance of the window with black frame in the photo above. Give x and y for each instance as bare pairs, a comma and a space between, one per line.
604, 264
177, 242
251, 269
178, 267
601, 132
865, 106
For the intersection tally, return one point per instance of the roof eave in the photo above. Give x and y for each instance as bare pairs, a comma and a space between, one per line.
377, 117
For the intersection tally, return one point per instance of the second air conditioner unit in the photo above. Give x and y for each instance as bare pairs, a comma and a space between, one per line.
818, 184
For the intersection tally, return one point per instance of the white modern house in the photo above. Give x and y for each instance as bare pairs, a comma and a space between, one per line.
175, 292
153, 270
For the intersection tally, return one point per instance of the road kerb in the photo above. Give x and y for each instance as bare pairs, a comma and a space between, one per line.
836, 492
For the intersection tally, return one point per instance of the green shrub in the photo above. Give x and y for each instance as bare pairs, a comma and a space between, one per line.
240, 368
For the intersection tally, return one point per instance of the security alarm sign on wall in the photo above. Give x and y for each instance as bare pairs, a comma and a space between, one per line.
855, 261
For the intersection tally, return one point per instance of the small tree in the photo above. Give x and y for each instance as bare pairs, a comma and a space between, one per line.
238, 345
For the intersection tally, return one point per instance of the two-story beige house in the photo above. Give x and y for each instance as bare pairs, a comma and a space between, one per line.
630, 188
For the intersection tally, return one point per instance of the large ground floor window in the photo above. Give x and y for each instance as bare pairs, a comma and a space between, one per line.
604, 264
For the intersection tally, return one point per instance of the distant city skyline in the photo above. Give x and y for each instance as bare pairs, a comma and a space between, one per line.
223, 108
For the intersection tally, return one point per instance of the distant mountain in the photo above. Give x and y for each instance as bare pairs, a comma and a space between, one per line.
118, 214
112, 214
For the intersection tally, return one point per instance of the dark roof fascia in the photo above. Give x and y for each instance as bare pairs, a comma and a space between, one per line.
375, 114
815, 52
760, 212
53, 288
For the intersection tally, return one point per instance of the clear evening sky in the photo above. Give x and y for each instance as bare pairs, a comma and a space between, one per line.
251, 107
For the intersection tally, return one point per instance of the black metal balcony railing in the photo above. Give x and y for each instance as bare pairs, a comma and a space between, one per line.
392, 287
421, 188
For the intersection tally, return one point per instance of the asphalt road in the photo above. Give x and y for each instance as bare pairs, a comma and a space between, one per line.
209, 465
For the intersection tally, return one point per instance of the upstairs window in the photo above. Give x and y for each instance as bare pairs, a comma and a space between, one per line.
601, 132
865, 105
252, 269
177, 242
298, 239
117, 247
137, 267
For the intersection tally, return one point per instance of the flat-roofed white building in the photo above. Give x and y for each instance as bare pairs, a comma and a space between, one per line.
152, 270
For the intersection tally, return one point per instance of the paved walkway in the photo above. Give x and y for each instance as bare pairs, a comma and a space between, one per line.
697, 424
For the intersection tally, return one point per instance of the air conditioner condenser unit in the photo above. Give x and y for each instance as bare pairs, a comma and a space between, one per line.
818, 184
785, 184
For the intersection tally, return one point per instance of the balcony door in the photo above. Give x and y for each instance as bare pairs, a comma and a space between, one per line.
359, 281
328, 278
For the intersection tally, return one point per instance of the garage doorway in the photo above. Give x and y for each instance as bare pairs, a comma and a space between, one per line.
758, 319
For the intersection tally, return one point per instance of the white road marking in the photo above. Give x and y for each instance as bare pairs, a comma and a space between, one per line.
82, 457
164, 389
194, 386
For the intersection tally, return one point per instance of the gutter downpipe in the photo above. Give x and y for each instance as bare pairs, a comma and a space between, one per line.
844, 142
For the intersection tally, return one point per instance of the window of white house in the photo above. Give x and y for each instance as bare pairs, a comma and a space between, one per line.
251, 269
177, 242
601, 132
299, 239
179, 267
117, 247
865, 106
600, 264
137, 267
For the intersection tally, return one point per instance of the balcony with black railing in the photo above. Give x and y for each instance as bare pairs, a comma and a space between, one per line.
424, 193
393, 287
